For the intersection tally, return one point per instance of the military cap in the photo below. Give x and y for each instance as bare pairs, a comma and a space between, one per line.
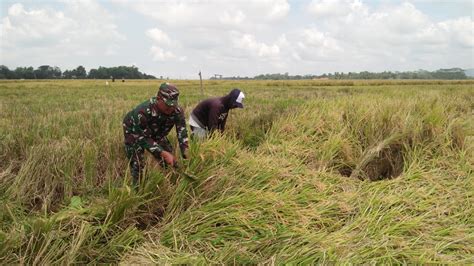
169, 93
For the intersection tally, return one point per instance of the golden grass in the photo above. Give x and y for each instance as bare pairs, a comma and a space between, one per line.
309, 172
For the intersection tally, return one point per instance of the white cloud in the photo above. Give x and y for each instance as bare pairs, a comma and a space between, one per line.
273, 9
248, 43
396, 34
159, 54
230, 17
162, 47
460, 30
236, 37
211, 14
332, 8
211, 29
50, 36
404, 19
159, 36
315, 45
40, 27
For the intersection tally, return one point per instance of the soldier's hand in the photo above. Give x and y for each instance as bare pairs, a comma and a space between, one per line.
168, 157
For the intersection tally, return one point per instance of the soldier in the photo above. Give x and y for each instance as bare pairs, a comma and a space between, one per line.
147, 126
211, 114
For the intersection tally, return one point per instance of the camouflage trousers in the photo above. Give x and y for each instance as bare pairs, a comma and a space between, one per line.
136, 156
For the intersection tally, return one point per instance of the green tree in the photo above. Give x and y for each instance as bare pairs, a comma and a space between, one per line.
80, 72
5, 73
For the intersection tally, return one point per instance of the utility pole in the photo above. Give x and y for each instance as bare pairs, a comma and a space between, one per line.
200, 78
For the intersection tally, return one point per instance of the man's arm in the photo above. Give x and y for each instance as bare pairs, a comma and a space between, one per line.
182, 133
222, 123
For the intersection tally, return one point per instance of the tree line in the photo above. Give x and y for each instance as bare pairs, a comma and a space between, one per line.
54, 72
132, 72
451, 73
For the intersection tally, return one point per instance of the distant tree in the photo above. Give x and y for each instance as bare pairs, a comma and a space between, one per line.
103, 73
132, 72
93, 74
56, 72
451, 73
146, 76
49, 72
5, 73
80, 72
43, 72
25, 72
69, 74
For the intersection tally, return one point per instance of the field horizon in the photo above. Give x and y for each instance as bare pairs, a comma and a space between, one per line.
310, 171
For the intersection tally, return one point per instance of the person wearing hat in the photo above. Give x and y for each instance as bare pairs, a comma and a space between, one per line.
211, 114
146, 128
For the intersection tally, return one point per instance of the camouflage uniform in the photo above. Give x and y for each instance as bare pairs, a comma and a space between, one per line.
146, 127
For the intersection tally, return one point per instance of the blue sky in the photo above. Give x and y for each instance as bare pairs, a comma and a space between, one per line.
176, 39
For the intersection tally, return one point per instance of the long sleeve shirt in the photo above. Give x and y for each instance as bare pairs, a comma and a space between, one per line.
212, 113
146, 125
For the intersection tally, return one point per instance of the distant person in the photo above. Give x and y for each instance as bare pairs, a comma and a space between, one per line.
211, 114
146, 128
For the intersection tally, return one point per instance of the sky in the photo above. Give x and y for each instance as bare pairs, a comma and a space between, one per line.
177, 39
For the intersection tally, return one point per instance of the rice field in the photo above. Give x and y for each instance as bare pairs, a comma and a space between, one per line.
309, 172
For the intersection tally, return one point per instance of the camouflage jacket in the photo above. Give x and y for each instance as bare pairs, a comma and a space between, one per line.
146, 125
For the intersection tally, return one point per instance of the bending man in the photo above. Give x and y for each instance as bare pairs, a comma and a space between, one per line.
211, 114
146, 128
